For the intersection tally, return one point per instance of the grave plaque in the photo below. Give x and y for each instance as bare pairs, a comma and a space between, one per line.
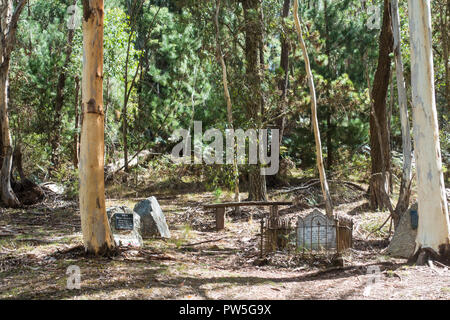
125, 226
316, 231
124, 221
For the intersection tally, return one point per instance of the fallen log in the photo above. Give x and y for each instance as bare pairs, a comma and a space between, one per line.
116, 166
314, 182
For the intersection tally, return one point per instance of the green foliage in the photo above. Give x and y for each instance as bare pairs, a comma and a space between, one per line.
67, 176
179, 79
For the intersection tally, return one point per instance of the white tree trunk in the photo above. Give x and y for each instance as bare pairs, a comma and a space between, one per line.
9, 17
7, 194
97, 236
403, 200
434, 229
323, 177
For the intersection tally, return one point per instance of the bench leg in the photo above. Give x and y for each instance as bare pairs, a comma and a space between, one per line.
220, 218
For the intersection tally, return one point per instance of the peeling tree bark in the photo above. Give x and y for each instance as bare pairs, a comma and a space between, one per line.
379, 181
330, 129
9, 19
433, 233
284, 64
445, 27
97, 236
405, 186
8, 196
323, 177
76, 136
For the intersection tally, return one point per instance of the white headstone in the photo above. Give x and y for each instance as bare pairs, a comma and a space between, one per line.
316, 231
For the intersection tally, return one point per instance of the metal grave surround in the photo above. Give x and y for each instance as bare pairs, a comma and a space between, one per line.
316, 231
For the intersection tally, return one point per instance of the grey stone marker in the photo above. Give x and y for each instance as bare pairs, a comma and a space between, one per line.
153, 221
125, 226
316, 231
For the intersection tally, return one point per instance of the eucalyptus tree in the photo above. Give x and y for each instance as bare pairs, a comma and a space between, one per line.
379, 133
406, 180
315, 122
135, 11
226, 91
97, 235
55, 139
121, 70
284, 65
339, 39
433, 234
9, 18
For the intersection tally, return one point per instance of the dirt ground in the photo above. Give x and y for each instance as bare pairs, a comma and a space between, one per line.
39, 243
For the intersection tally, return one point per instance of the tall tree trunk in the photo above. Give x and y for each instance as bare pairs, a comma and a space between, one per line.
389, 119
405, 185
59, 101
434, 228
329, 135
76, 137
125, 132
130, 83
284, 65
125, 102
97, 236
125, 111
445, 29
253, 41
237, 196
315, 122
17, 162
380, 150
9, 19
329, 132
8, 196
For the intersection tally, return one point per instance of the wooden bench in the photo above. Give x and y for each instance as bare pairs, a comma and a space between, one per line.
220, 208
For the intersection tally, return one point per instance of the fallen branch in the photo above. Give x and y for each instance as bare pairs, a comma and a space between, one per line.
141, 156
352, 184
317, 181
303, 187
201, 242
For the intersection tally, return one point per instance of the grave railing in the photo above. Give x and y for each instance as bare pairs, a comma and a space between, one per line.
310, 235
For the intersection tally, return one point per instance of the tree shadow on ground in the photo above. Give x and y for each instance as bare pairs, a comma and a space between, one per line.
138, 278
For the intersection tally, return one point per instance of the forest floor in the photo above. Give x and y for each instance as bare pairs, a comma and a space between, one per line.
38, 244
